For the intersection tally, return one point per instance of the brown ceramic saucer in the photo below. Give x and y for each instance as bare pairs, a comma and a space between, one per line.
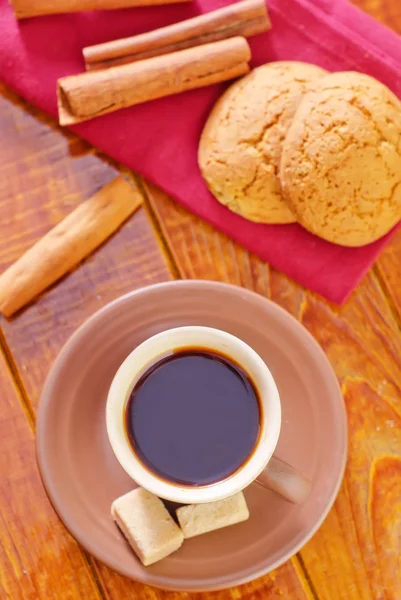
82, 477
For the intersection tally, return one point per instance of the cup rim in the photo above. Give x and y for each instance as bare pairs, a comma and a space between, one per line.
140, 359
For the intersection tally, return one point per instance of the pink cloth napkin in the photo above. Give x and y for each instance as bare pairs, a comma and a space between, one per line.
159, 139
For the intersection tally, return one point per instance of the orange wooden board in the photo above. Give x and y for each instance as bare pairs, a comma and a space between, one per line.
38, 558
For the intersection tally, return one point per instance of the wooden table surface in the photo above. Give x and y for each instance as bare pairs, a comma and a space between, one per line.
44, 173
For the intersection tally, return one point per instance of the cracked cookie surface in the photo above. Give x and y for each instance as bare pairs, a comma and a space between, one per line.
240, 147
341, 161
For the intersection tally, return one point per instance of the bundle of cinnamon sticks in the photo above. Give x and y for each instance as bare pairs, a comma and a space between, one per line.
198, 52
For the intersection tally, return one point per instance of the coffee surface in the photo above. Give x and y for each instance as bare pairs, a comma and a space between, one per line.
193, 417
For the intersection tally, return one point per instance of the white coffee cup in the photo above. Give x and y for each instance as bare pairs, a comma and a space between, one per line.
261, 465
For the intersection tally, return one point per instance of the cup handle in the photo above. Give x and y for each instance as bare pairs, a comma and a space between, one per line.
282, 478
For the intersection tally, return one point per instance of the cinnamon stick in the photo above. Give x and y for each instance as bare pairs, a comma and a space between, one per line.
91, 94
67, 244
246, 18
36, 8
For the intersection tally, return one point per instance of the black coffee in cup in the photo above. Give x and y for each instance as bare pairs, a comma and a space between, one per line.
193, 418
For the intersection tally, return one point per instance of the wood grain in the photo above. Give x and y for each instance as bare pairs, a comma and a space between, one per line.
38, 558
40, 180
287, 582
343, 561
389, 272
386, 11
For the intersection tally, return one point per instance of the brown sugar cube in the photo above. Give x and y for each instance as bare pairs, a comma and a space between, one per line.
196, 519
147, 525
